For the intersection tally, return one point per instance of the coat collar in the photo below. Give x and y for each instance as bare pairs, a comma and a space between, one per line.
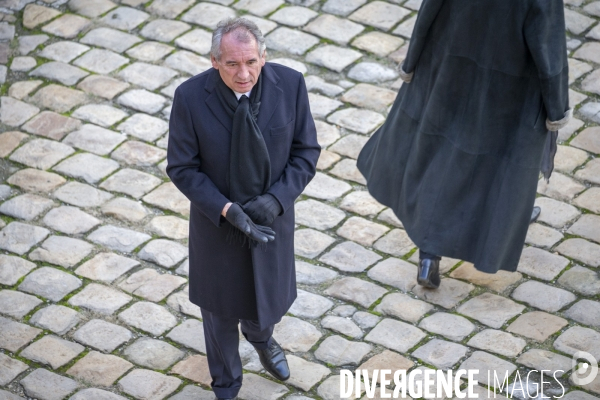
270, 98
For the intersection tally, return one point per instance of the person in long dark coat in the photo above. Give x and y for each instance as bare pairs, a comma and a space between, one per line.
242, 147
459, 156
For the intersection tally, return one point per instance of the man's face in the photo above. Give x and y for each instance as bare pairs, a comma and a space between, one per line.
240, 63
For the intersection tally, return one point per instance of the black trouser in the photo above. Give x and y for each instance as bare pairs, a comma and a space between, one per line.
222, 342
423, 255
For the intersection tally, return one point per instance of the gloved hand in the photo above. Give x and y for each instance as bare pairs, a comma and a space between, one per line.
236, 217
263, 209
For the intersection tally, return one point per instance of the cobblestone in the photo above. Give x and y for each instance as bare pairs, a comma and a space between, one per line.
46, 385
100, 298
543, 296
56, 318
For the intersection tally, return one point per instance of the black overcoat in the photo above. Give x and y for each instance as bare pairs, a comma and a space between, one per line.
458, 157
228, 279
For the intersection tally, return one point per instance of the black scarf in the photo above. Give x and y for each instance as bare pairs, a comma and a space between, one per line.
249, 165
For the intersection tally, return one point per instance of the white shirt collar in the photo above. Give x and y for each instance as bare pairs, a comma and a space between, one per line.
239, 95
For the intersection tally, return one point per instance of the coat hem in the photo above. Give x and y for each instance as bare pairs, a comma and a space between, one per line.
554, 126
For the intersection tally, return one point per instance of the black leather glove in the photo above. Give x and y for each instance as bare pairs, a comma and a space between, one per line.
263, 209
236, 217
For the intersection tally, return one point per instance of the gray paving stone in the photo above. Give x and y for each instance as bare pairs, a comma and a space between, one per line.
207, 15
366, 320
561, 187
568, 158
581, 280
330, 389
102, 86
131, 182
345, 310
491, 309
440, 353
359, 120
296, 335
333, 57
146, 75
396, 243
541, 264
257, 387
164, 30
544, 297
589, 200
15, 335
148, 317
342, 325
68, 26
191, 392
291, 41
587, 226
317, 215
116, 238
64, 51
150, 51
356, 290
184, 268
26, 206
70, 220
91, 8
52, 350
10, 141
146, 384
498, 282
309, 243
315, 83
591, 172
152, 353
588, 140
347, 170
13, 268
578, 338
169, 9
404, 307
326, 188
395, 335
106, 267
577, 23
102, 335
5, 191
586, 312
361, 202
110, 39
189, 334
125, 209
10, 368
138, 153
545, 360
197, 40
305, 374
385, 360
322, 106
15, 112
88, 167
338, 351
144, 127
406, 28
361, 231
169, 90
293, 16
309, 305
349, 146
51, 125
28, 43
451, 326
99, 298
151, 285
339, 30
350, 257
371, 72
61, 250
556, 213
264, 25
56, 318
124, 18
572, 126
488, 365
58, 98
578, 395
180, 302
46, 385
101, 61
169, 226
379, 14
95, 139
309, 274
498, 342
448, 295
41, 153
18, 238
342, 7
168, 197
81, 195
142, 100
370, 96
60, 72
22, 64
99, 369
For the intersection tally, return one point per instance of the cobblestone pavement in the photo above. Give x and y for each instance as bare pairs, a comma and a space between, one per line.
93, 269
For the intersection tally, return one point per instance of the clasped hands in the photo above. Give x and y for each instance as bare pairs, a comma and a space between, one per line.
252, 217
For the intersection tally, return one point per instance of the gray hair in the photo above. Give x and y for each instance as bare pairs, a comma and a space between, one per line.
243, 29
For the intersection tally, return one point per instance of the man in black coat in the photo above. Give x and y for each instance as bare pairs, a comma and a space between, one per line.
242, 148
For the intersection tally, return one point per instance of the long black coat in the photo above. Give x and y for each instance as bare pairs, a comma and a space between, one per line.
459, 155
228, 279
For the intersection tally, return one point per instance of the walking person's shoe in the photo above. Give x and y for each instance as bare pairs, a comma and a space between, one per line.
273, 360
429, 273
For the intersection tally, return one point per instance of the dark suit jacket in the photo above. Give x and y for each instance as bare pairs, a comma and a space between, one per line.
228, 279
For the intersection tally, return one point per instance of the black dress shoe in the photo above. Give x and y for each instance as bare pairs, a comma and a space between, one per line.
535, 214
429, 273
274, 361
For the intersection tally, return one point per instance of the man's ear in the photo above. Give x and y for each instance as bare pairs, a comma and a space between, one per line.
263, 59
214, 62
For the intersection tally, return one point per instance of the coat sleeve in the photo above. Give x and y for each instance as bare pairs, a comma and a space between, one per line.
429, 10
304, 154
183, 163
545, 36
